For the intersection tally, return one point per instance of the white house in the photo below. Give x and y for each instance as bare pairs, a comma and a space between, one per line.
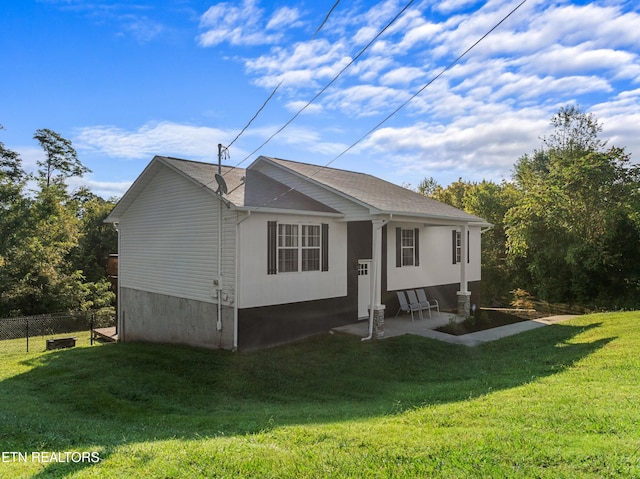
289, 250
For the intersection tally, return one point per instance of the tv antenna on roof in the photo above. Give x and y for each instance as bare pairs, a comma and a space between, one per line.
223, 151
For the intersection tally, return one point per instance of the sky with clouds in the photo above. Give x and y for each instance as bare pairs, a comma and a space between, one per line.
373, 86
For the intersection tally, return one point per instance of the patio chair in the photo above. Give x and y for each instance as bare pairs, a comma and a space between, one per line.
408, 306
425, 303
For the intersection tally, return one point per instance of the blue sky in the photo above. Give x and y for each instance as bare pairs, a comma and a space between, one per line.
126, 80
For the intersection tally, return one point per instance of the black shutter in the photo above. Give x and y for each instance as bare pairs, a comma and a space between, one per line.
398, 247
454, 243
416, 245
325, 247
272, 250
468, 236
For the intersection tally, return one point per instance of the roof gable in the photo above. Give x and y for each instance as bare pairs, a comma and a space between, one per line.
246, 189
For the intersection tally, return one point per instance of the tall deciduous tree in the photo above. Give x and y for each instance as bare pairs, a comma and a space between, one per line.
574, 235
98, 239
61, 159
40, 233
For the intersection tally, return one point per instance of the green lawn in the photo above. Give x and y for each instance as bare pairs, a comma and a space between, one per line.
559, 401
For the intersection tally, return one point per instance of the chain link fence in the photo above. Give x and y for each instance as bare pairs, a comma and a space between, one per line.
32, 328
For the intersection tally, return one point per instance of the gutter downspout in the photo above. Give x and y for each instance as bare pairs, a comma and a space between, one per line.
219, 279
375, 268
237, 282
119, 319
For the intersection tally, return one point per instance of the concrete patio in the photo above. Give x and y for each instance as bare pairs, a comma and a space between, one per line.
425, 327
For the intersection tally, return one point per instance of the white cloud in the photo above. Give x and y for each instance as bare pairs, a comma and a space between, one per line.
165, 138
238, 25
245, 24
295, 106
104, 189
300, 65
284, 17
474, 150
401, 76
365, 100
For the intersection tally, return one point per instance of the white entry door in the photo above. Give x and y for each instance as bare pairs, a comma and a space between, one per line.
364, 288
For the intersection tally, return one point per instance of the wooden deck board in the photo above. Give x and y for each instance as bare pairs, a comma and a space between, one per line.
107, 334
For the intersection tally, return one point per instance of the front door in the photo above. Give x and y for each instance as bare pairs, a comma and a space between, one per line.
364, 288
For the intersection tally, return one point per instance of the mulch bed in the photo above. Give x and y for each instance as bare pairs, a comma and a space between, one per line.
487, 319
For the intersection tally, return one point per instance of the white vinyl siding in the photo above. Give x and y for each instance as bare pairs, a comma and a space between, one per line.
435, 266
168, 241
260, 285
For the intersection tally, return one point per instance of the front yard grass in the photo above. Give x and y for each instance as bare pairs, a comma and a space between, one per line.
559, 401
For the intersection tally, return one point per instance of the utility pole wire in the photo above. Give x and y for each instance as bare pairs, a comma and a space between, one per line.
442, 72
328, 84
378, 125
325, 19
256, 115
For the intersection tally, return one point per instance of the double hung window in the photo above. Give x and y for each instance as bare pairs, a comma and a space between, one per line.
407, 247
297, 247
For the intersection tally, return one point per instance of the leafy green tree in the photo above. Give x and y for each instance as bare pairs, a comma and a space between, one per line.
574, 235
39, 234
428, 186
98, 239
61, 157
12, 205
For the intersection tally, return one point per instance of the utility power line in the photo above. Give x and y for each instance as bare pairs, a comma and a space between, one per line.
394, 112
333, 80
281, 81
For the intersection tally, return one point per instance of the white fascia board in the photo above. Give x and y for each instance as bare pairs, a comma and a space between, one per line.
434, 220
258, 209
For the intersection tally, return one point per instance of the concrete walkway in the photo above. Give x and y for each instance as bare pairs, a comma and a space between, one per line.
425, 327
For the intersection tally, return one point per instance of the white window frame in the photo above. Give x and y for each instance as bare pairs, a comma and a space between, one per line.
302, 246
408, 247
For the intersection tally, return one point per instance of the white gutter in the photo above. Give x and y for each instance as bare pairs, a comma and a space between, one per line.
119, 320
375, 268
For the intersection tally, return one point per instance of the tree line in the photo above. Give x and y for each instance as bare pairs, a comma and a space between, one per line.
53, 242
566, 228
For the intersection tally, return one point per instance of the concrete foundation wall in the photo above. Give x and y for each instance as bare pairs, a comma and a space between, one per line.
158, 318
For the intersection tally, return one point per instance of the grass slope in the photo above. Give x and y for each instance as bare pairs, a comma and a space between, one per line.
559, 401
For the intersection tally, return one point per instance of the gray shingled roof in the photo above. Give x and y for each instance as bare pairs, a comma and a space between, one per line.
248, 188
377, 193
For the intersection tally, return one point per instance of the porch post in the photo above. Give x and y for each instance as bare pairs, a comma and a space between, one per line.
376, 309
464, 295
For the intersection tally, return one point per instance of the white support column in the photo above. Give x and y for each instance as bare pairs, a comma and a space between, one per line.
464, 296
376, 308
464, 286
